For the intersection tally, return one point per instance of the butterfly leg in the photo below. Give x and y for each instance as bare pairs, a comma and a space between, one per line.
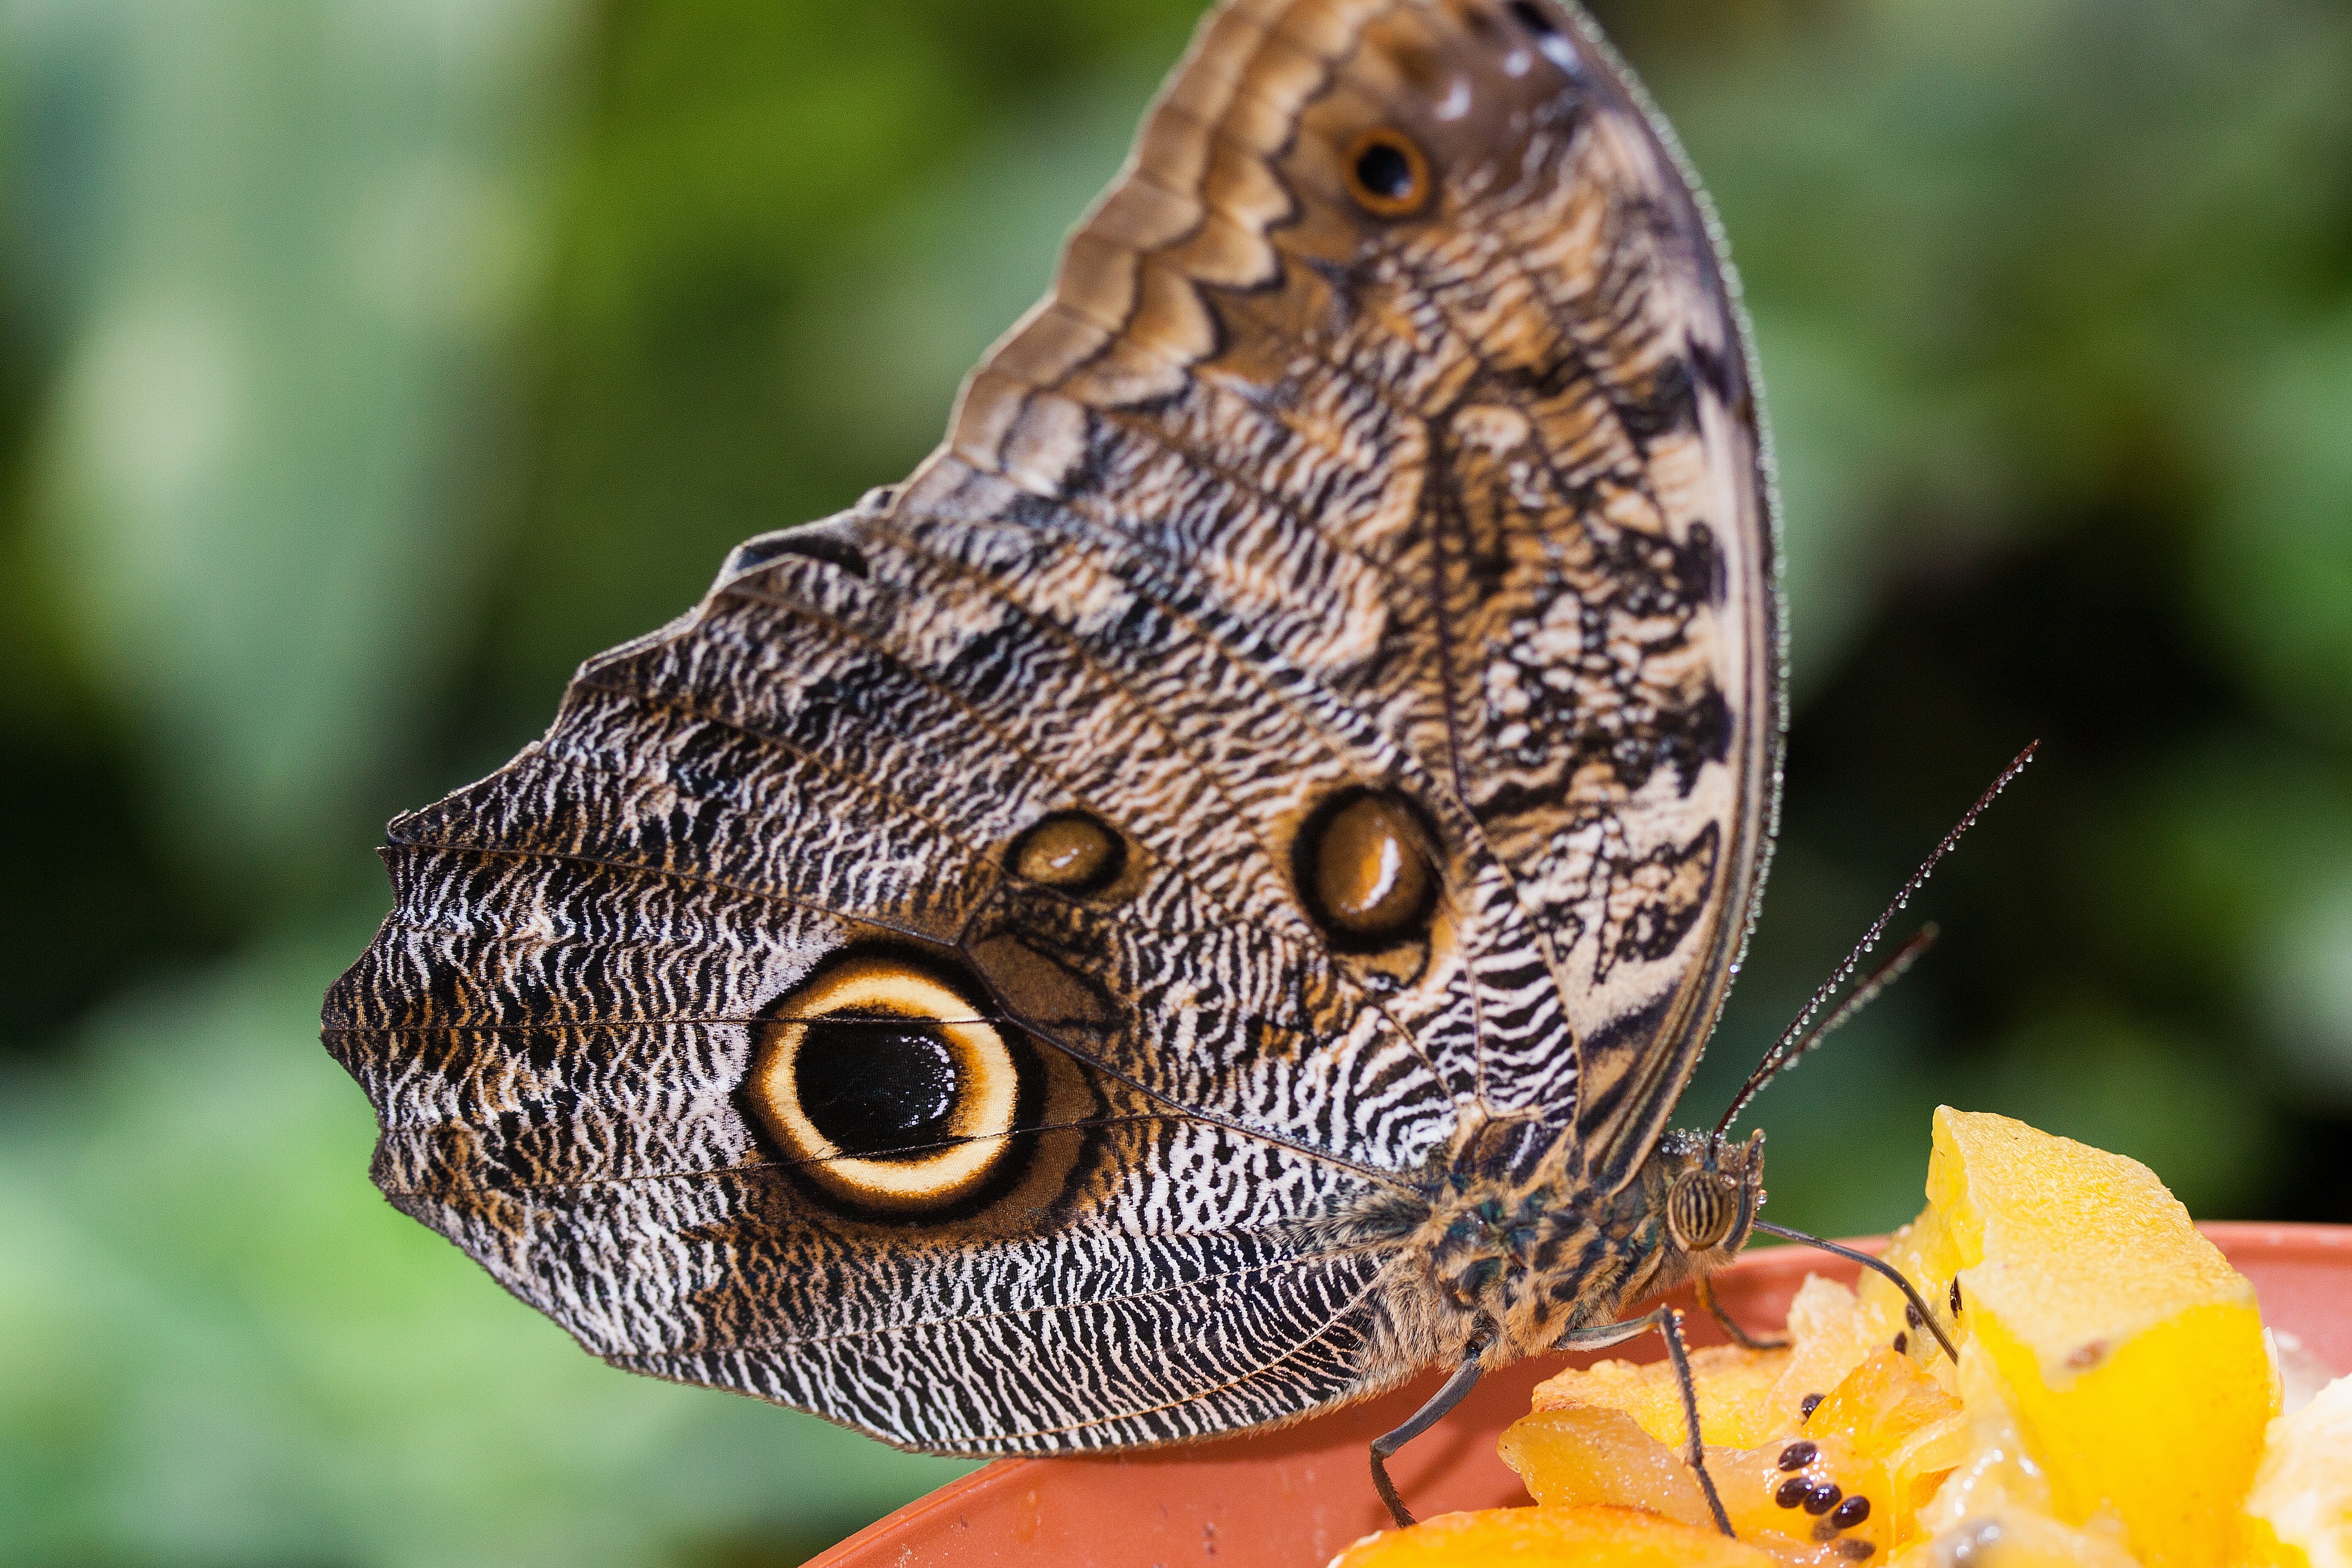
1384, 1447
1739, 1336
1669, 1323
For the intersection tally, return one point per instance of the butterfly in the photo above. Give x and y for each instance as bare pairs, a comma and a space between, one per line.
1200, 903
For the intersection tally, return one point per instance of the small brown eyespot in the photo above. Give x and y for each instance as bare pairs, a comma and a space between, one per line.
884, 1089
1363, 872
1388, 175
1070, 852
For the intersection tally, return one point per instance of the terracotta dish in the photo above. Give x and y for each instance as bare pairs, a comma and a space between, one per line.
1292, 1499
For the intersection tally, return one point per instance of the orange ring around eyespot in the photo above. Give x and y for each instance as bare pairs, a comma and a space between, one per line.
1389, 198
984, 1110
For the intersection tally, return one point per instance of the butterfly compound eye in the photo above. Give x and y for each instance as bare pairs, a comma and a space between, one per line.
1071, 852
1698, 1211
1362, 870
1387, 174
885, 1089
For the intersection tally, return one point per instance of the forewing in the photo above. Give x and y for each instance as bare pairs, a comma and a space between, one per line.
1474, 496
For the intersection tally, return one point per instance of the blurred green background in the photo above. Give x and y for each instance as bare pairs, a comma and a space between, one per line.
365, 365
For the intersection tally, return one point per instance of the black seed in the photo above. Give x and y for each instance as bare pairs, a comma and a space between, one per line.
1903, 1344
1955, 1296
1850, 1512
1911, 1316
1793, 1491
1824, 1498
1805, 1407
1797, 1455
1385, 172
1533, 20
1857, 1550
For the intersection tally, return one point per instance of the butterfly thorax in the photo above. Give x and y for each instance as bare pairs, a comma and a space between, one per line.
1509, 1264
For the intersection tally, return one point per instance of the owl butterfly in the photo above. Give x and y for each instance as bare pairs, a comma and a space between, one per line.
1200, 903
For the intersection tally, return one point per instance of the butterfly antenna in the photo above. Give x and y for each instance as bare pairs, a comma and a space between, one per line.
1798, 1038
1784, 1056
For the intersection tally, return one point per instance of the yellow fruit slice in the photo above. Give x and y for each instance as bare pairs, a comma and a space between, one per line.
1550, 1538
1574, 1455
2016, 1538
1735, 1388
2300, 1512
1829, 1336
2129, 1352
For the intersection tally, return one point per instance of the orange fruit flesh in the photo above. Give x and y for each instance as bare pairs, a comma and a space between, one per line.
1550, 1538
1852, 1471
2108, 1409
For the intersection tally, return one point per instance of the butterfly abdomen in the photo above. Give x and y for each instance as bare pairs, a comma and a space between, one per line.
1503, 1270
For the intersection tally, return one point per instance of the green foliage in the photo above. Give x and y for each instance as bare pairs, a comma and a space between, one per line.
361, 369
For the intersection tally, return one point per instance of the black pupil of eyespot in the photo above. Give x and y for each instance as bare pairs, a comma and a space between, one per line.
878, 1088
1385, 171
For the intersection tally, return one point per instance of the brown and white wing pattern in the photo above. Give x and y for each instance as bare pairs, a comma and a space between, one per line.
1474, 489
1319, 700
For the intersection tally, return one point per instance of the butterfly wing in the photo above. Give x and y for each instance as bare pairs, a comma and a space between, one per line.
1287, 496
1475, 490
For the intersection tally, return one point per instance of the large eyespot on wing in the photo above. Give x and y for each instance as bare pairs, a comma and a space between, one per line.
886, 1090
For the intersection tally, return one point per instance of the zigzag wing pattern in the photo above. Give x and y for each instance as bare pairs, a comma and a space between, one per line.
1442, 491
556, 1024
1477, 491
